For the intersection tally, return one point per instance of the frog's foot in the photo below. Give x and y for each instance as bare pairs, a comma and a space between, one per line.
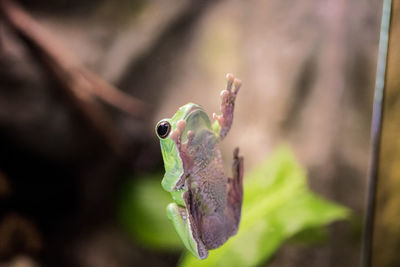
228, 97
235, 188
176, 134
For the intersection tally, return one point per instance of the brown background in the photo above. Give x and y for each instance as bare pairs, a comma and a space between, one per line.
308, 71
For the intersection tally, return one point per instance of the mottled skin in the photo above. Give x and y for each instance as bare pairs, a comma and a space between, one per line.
207, 204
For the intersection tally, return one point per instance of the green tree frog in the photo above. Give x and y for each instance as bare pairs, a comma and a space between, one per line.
207, 204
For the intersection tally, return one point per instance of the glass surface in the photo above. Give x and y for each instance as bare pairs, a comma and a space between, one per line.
82, 86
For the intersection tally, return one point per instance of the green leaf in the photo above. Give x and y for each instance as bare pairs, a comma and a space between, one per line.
141, 209
277, 205
310, 236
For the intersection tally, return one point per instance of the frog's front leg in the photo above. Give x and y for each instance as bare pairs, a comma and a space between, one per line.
235, 190
223, 122
181, 216
183, 149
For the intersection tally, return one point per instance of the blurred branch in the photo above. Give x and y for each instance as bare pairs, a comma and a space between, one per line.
17, 230
80, 84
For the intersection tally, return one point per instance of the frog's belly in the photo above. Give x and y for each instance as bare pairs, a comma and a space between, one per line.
210, 203
216, 230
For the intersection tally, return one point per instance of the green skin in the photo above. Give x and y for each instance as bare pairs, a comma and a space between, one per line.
207, 204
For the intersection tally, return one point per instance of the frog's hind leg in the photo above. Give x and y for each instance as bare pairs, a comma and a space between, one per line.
193, 218
186, 230
235, 190
223, 122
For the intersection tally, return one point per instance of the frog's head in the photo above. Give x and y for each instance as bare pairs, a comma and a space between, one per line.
196, 119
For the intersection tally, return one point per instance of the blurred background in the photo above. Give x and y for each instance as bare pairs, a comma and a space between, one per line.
70, 156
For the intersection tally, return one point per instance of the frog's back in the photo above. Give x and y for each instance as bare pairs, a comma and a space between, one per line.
215, 223
209, 194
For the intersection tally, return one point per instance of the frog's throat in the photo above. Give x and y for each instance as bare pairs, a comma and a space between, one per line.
193, 109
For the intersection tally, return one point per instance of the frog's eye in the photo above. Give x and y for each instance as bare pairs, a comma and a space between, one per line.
163, 129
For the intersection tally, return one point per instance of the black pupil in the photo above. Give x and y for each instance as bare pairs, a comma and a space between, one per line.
163, 129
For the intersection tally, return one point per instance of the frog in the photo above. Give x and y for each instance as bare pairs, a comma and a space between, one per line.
206, 205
